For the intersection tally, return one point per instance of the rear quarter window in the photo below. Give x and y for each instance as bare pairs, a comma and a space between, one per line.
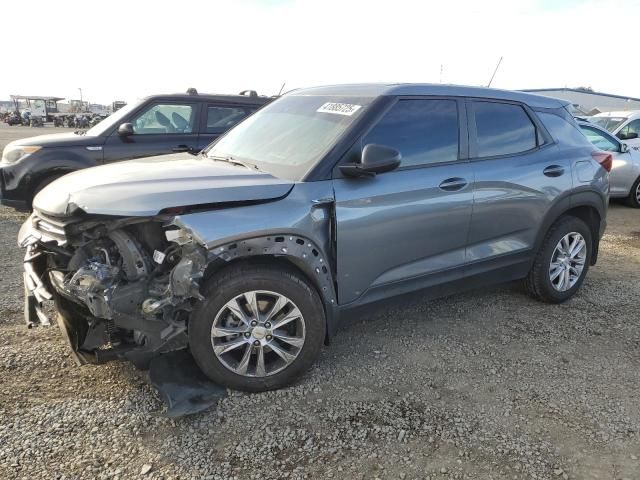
563, 130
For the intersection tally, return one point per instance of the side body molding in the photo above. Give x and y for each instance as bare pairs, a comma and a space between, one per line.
298, 227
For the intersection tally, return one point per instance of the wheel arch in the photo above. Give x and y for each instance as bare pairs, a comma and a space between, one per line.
284, 250
55, 164
585, 206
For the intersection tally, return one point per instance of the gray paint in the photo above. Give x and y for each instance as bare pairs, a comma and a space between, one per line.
399, 225
145, 187
395, 228
297, 214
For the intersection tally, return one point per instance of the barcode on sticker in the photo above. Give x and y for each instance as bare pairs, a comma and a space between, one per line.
158, 257
339, 108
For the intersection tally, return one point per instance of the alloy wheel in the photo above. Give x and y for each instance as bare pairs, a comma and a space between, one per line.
258, 333
567, 261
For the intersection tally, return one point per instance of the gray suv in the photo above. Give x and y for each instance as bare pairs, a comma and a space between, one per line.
327, 199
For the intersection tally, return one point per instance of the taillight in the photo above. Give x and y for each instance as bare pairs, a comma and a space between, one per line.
603, 158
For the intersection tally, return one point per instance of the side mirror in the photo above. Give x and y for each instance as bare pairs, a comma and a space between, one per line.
375, 159
624, 148
125, 130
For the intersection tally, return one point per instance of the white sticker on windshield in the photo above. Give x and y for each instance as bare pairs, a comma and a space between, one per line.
339, 108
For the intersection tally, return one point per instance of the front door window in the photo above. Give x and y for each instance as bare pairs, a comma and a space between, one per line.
165, 119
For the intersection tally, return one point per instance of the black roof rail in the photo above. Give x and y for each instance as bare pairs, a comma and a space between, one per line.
249, 93
192, 91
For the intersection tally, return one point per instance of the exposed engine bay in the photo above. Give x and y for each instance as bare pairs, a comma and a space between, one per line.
123, 287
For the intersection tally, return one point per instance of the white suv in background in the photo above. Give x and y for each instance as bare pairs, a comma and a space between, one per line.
624, 125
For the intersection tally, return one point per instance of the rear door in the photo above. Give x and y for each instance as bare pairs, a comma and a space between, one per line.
519, 173
159, 129
218, 118
407, 228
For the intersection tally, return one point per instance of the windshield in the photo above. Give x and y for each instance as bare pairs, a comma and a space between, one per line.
608, 123
112, 120
289, 136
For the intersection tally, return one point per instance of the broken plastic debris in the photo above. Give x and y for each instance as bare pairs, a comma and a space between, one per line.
182, 385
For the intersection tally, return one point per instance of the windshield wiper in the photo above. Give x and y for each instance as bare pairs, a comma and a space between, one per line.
233, 161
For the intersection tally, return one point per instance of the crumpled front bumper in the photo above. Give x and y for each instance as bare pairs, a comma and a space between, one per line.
35, 290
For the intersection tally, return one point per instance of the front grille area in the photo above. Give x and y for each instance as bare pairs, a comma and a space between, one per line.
51, 228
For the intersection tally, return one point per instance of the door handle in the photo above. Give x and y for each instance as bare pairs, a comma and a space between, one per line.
553, 171
181, 148
453, 184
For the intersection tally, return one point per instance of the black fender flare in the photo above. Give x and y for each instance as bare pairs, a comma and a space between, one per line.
566, 204
303, 253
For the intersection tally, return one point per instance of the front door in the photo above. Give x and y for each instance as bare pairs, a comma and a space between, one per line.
630, 133
160, 129
408, 227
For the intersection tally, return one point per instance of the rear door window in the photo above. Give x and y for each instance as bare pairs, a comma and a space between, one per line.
222, 118
424, 131
502, 129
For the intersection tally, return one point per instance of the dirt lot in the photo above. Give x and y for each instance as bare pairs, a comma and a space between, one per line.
486, 385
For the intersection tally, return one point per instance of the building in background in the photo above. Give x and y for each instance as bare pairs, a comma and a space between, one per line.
588, 102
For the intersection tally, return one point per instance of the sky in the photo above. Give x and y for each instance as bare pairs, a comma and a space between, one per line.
123, 50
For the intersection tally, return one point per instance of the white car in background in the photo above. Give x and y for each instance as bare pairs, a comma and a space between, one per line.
624, 125
624, 178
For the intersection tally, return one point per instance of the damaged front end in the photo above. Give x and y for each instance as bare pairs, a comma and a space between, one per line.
123, 287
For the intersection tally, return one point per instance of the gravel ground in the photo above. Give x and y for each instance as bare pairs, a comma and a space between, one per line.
486, 385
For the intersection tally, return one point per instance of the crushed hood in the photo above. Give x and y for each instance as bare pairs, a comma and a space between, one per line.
145, 187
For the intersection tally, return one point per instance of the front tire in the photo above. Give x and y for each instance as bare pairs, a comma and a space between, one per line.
259, 328
562, 262
633, 200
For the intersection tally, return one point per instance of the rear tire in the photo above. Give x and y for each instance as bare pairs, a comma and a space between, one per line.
237, 348
554, 276
633, 200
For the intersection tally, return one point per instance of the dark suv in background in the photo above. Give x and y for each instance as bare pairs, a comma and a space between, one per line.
155, 125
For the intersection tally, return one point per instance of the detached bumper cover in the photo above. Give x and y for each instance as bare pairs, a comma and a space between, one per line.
35, 292
33, 231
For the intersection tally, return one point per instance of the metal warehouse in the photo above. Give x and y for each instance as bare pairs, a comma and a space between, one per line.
588, 102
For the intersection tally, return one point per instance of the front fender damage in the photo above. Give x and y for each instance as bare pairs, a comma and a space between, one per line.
303, 233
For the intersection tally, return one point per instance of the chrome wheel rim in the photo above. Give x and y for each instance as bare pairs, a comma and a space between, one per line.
567, 261
258, 333
638, 192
